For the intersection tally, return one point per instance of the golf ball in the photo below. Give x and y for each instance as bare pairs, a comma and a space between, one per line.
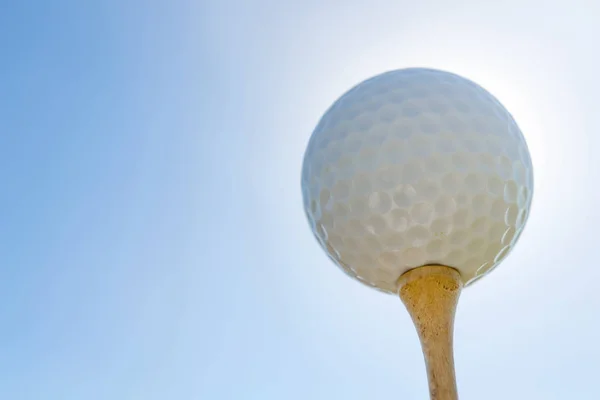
416, 167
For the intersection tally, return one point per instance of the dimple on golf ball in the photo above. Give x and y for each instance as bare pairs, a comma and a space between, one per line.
416, 167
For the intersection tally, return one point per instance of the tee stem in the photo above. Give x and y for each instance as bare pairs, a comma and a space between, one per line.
430, 294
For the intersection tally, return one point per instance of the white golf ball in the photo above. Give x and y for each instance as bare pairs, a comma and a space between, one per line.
415, 167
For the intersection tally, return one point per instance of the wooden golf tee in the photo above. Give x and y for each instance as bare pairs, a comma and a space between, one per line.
430, 294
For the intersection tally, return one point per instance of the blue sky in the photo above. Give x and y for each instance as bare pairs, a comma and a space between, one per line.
152, 238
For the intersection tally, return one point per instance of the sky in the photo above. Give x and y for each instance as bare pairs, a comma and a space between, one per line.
153, 243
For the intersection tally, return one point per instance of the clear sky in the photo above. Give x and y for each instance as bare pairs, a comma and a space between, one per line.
152, 239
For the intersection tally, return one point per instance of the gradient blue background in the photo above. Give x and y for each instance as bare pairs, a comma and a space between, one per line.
152, 238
